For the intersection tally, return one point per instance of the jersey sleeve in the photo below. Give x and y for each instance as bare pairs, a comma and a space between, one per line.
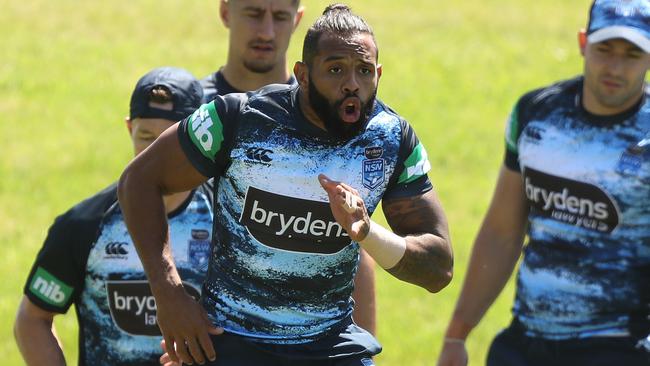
523, 112
513, 130
410, 176
205, 136
57, 275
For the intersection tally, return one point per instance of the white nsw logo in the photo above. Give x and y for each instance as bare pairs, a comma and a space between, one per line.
201, 128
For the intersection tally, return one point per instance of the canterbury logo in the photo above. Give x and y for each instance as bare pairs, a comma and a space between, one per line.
259, 154
116, 249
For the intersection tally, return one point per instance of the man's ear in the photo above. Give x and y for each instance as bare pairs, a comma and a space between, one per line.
301, 71
129, 125
582, 41
224, 14
299, 14
379, 70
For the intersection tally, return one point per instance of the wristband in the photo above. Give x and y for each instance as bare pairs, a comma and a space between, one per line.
384, 246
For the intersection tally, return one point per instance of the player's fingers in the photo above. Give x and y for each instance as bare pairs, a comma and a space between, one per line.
350, 203
195, 351
328, 185
183, 354
166, 361
171, 351
212, 329
206, 345
215, 330
349, 188
163, 345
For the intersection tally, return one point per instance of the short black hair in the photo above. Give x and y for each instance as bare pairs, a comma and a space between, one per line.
337, 19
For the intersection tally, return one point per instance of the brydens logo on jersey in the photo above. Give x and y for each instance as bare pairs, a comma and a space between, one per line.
576, 203
133, 307
292, 224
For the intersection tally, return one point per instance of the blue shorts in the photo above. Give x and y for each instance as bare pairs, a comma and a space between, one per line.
512, 347
351, 346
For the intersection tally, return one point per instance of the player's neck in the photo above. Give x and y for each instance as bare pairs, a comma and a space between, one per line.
174, 201
307, 111
591, 104
241, 78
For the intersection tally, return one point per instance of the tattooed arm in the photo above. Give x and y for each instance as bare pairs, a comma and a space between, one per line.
428, 260
419, 250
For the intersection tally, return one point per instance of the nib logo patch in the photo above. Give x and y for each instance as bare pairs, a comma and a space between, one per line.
49, 288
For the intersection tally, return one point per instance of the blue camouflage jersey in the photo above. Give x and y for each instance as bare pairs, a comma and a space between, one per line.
586, 267
89, 260
282, 268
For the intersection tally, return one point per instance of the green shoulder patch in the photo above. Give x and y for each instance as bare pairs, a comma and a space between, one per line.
512, 131
206, 130
49, 288
416, 165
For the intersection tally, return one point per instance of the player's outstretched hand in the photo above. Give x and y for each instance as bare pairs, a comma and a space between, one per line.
347, 207
453, 354
186, 329
165, 360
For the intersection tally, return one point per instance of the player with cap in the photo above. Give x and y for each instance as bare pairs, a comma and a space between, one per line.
576, 181
88, 258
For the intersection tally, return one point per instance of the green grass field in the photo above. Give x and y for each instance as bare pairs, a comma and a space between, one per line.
452, 68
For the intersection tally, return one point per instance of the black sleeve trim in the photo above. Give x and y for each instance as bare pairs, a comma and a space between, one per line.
407, 143
417, 187
511, 160
202, 164
61, 263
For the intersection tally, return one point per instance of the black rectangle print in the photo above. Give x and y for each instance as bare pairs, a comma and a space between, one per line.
570, 201
293, 224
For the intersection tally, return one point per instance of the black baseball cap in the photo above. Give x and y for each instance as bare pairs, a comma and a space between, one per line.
185, 89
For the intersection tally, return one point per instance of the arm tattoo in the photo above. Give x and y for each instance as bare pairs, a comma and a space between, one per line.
427, 261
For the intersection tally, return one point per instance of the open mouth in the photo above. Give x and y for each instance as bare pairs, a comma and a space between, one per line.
350, 110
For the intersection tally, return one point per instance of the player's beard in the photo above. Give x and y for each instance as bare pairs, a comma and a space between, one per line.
328, 112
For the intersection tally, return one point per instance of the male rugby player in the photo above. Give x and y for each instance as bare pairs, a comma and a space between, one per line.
576, 181
88, 258
299, 170
259, 32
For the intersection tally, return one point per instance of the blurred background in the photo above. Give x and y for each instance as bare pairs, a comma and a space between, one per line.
453, 69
